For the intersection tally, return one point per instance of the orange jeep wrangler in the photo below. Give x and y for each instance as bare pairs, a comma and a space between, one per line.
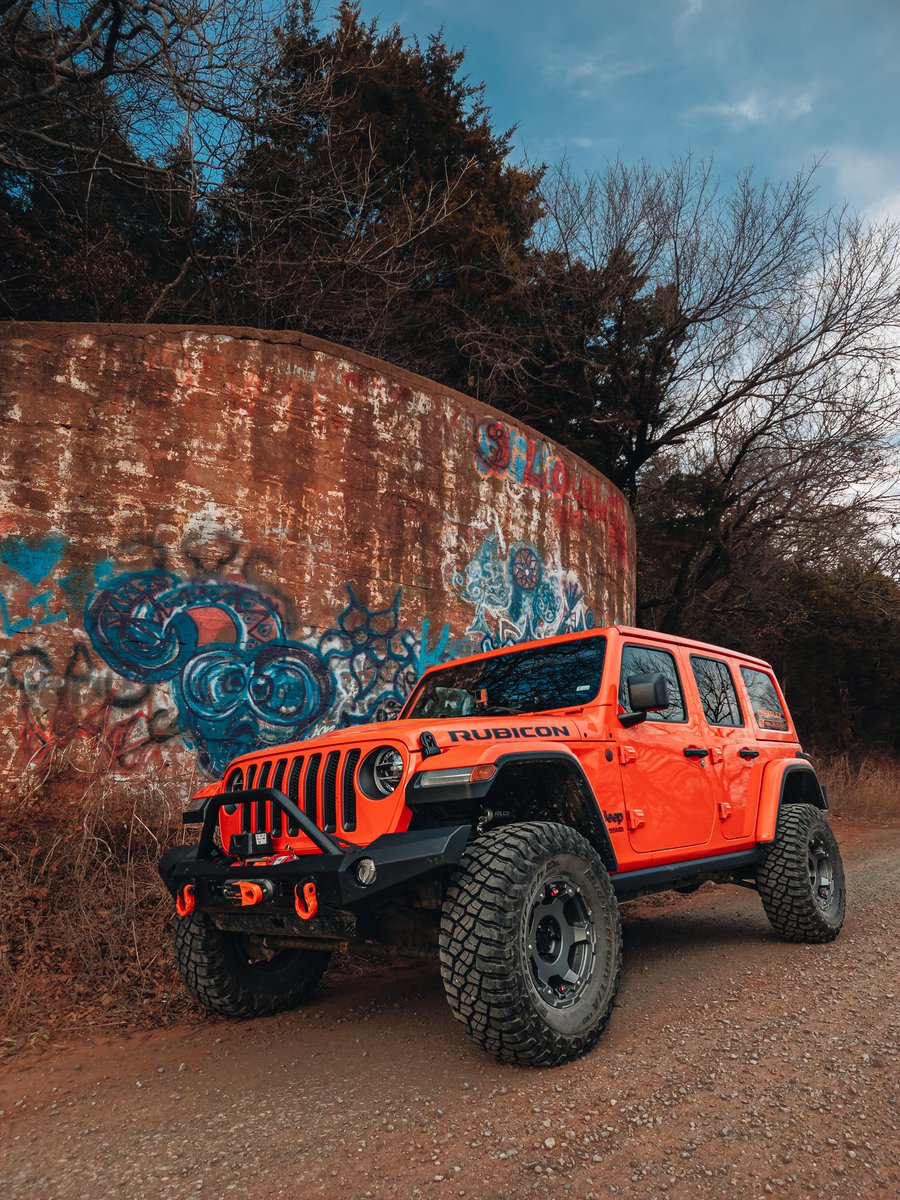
520, 795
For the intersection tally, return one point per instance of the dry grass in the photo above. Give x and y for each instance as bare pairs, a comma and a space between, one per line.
865, 789
84, 917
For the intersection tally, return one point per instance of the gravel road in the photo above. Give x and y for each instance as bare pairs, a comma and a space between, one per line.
734, 1065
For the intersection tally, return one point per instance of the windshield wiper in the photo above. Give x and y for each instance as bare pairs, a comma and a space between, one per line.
501, 710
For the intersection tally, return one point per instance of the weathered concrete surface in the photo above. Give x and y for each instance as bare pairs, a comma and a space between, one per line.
211, 537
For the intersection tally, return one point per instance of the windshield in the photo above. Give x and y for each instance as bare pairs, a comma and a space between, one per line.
563, 675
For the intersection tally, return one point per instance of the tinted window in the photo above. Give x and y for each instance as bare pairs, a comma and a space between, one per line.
716, 688
643, 660
563, 675
766, 705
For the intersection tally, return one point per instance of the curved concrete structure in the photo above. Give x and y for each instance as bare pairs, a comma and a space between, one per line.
211, 538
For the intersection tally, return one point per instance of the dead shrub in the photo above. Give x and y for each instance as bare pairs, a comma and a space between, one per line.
84, 916
866, 789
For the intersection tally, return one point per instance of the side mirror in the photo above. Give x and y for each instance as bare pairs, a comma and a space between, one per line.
646, 692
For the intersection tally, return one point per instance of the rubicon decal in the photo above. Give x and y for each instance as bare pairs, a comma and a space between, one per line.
522, 731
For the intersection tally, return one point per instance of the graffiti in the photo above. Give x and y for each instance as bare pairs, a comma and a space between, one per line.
236, 679
210, 659
33, 561
10, 627
375, 660
517, 597
372, 660
59, 711
509, 453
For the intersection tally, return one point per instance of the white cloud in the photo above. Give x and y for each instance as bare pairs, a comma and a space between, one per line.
873, 180
592, 73
758, 108
690, 9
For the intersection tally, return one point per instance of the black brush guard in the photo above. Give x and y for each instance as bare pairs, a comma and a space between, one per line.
399, 859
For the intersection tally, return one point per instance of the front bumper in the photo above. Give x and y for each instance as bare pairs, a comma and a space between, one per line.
399, 858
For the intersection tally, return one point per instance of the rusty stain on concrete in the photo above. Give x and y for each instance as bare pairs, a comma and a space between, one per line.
211, 538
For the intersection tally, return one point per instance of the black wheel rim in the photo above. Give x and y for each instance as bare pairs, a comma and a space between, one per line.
821, 872
559, 942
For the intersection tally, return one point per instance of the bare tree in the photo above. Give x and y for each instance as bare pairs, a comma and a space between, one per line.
119, 115
720, 519
699, 302
727, 357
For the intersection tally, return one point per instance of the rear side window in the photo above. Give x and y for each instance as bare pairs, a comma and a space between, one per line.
717, 692
766, 705
643, 660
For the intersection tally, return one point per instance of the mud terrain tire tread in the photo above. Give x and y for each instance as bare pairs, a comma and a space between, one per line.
783, 879
481, 963
220, 977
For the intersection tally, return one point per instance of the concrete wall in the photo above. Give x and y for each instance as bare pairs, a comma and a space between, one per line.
213, 538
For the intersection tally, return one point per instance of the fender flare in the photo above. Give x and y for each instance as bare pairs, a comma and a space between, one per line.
785, 781
587, 816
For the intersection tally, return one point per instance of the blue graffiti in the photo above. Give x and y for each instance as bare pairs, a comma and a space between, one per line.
10, 627
371, 659
517, 597
237, 680
375, 660
148, 624
33, 559
233, 700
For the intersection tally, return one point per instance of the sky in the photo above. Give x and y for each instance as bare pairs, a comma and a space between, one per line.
761, 83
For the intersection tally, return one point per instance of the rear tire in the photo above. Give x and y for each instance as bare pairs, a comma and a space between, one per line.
531, 944
801, 882
225, 973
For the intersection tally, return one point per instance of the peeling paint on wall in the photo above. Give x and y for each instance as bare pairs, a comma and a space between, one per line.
215, 539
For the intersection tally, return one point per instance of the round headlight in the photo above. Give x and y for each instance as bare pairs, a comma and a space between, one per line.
387, 769
380, 772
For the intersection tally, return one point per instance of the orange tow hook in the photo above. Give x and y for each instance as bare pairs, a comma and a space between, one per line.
251, 893
185, 901
307, 907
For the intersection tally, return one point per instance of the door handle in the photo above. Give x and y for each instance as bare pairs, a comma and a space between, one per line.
748, 754
695, 752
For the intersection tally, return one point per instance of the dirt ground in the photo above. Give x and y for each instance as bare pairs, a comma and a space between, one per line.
734, 1065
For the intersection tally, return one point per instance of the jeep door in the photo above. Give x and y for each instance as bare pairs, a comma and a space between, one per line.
735, 772
669, 798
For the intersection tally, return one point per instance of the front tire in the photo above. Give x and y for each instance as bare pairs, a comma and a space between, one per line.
801, 882
531, 944
230, 975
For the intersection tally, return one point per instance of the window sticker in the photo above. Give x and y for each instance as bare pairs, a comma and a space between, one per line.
766, 706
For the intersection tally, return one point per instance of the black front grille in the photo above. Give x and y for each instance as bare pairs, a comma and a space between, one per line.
329, 792
348, 791
324, 790
311, 790
293, 790
277, 821
262, 805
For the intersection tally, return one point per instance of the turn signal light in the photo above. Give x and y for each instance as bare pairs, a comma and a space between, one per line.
456, 775
483, 773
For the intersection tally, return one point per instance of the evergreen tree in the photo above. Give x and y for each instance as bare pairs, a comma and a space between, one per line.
376, 201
